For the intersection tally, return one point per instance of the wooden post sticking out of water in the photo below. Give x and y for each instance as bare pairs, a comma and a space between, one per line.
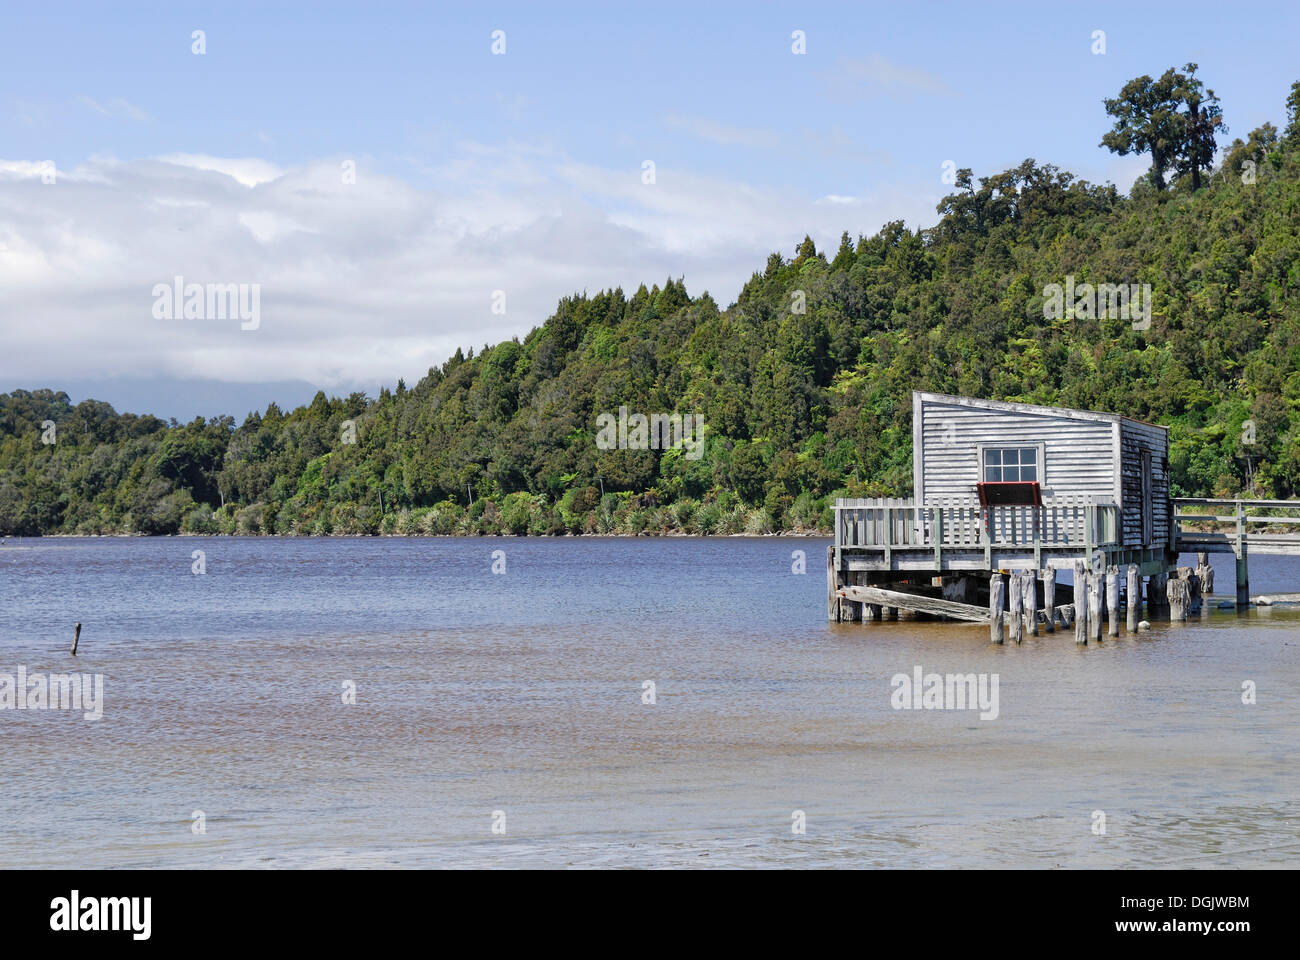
1049, 598
76, 638
1112, 601
1094, 606
870, 611
832, 584
1205, 572
997, 586
1029, 597
1178, 591
1193, 589
1080, 601
1134, 597
1015, 603
1158, 595
1243, 571
851, 610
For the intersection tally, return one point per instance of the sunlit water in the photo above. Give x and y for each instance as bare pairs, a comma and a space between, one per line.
522, 693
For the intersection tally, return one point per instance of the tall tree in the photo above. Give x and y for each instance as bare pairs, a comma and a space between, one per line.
1147, 121
1201, 121
1292, 132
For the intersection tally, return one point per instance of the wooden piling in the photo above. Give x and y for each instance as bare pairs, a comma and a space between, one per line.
851, 610
1157, 595
76, 638
1080, 601
1177, 591
996, 588
870, 611
1094, 606
832, 584
1112, 601
1134, 587
1029, 598
1188, 575
1049, 598
1205, 572
1015, 605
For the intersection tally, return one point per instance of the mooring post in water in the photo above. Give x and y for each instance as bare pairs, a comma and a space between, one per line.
1157, 595
1134, 588
1080, 601
1177, 590
1112, 601
832, 576
1187, 575
996, 587
76, 638
1049, 598
1015, 604
1094, 606
1029, 597
1243, 573
1205, 572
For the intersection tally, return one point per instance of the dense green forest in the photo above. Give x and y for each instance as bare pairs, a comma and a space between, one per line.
804, 382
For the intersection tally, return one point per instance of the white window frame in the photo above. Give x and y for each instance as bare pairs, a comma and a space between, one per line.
1038, 446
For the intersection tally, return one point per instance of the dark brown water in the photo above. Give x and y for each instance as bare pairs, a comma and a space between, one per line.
522, 693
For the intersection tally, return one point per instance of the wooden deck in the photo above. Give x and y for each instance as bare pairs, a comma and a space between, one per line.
884, 548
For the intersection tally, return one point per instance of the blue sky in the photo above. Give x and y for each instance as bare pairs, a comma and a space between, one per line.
518, 172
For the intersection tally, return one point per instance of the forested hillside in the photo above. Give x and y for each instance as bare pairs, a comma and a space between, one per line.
804, 383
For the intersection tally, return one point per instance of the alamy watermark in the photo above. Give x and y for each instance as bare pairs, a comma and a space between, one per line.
658, 431
179, 300
57, 691
1102, 301
952, 691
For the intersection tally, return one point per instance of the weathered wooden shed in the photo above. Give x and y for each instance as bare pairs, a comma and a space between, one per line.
1008, 453
1002, 487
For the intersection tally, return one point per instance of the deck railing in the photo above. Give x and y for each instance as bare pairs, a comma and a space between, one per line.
1210, 525
891, 524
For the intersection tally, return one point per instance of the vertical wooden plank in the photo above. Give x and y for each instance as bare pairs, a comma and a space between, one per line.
1049, 598
832, 601
997, 586
1094, 606
1205, 572
1029, 597
1134, 587
1015, 604
1176, 590
1080, 602
1112, 601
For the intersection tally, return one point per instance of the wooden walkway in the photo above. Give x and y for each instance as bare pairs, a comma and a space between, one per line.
880, 542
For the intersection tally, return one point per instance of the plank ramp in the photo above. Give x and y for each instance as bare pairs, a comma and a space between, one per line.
911, 601
942, 608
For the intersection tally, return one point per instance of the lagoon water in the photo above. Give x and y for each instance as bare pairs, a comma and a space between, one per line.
521, 693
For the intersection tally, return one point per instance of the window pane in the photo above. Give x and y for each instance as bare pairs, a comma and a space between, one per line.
1029, 473
1011, 474
992, 474
1028, 455
992, 457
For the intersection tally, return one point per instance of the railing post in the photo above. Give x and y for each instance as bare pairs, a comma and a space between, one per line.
1243, 571
889, 533
936, 528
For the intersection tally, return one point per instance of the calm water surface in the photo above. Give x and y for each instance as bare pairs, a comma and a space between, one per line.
522, 693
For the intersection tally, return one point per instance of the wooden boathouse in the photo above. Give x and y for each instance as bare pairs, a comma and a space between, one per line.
1005, 496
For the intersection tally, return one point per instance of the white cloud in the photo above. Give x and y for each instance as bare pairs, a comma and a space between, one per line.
247, 170
116, 108
722, 133
367, 281
876, 76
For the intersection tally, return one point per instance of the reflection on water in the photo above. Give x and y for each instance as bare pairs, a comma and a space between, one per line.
522, 693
